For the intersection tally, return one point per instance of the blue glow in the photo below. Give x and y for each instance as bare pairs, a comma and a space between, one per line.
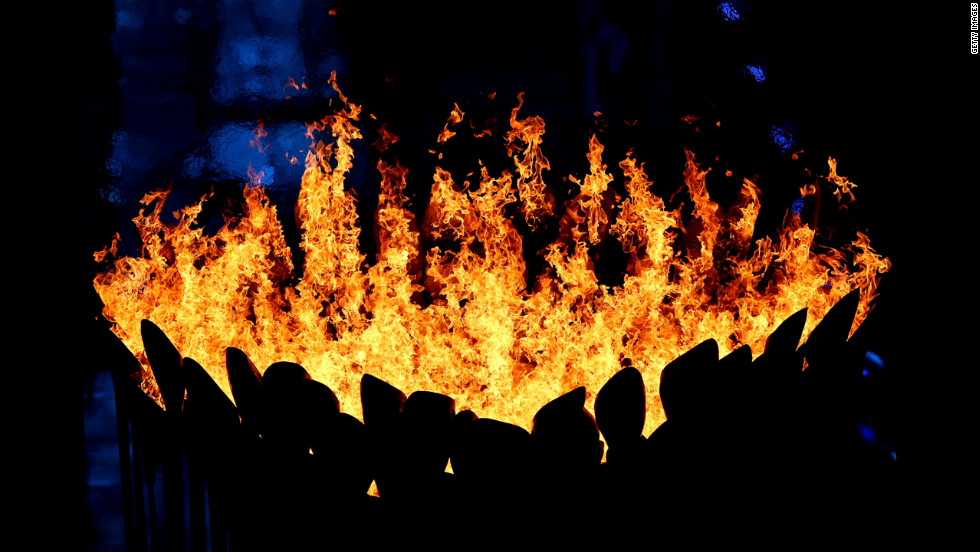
193, 166
133, 152
757, 72
230, 152
112, 194
253, 65
113, 166
798, 206
247, 51
728, 11
865, 372
893, 455
782, 137
330, 63
182, 16
867, 434
874, 359
257, 67
280, 12
129, 19
290, 138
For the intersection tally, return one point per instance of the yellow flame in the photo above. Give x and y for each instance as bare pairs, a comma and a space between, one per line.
484, 340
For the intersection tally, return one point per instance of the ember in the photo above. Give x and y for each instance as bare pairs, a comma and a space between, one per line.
458, 319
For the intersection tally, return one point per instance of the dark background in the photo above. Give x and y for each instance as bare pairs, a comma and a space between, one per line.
168, 92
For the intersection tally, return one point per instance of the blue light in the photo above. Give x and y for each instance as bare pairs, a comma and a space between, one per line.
291, 140
182, 16
798, 206
193, 166
728, 11
874, 359
112, 194
867, 434
865, 372
757, 72
252, 66
129, 19
231, 151
113, 166
782, 137
133, 153
288, 140
247, 52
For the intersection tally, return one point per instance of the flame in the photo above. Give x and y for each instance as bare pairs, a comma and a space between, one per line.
260, 133
536, 200
484, 339
290, 83
385, 137
843, 187
454, 117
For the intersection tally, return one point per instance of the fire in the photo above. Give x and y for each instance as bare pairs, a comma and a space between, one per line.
484, 340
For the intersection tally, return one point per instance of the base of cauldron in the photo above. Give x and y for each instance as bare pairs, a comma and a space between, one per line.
286, 469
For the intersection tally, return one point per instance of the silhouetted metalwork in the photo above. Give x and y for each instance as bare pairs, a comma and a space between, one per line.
286, 468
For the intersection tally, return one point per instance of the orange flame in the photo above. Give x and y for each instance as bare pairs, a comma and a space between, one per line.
260, 133
290, 83
385, 138
843, 186
536, 200
454, 117
484, 340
